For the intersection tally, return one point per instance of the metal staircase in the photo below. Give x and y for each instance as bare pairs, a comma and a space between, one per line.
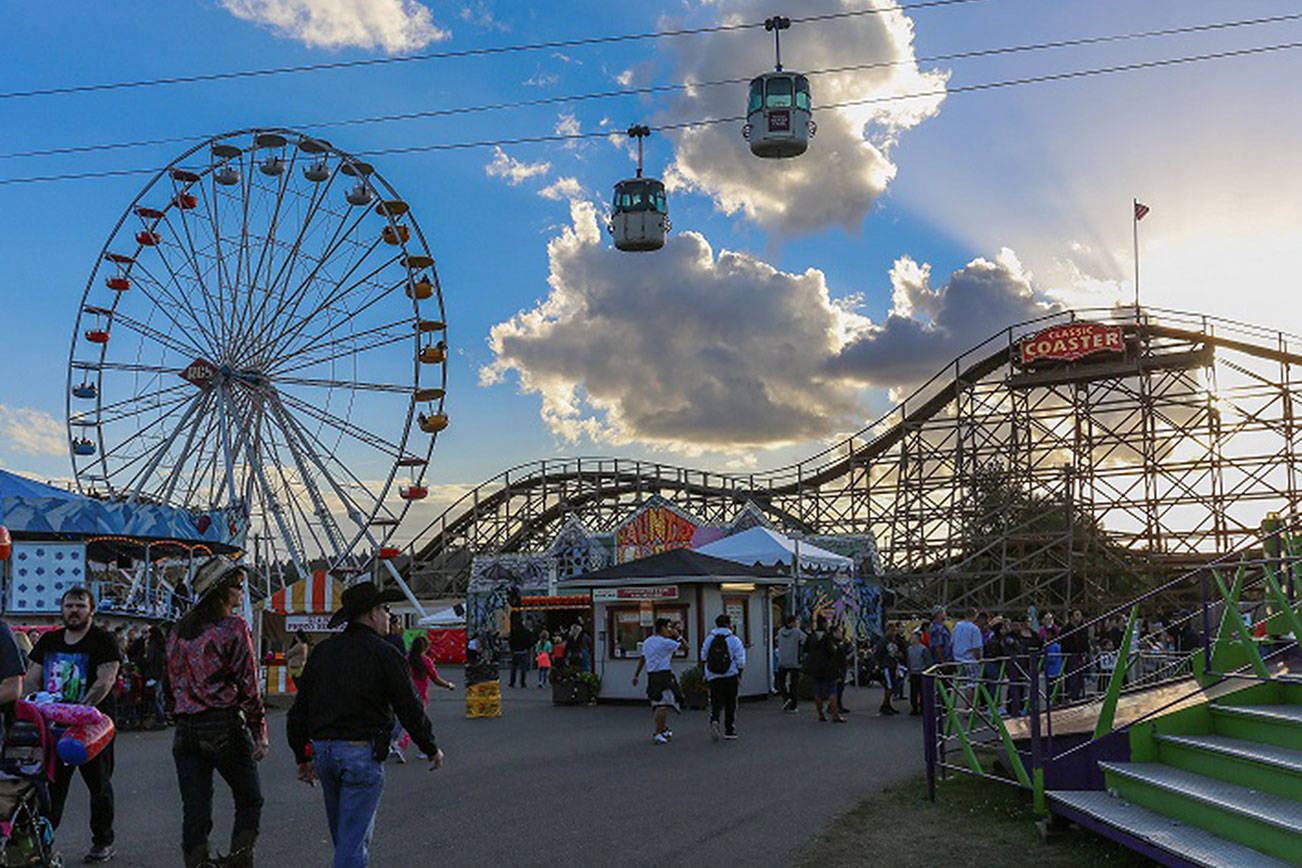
1200, 768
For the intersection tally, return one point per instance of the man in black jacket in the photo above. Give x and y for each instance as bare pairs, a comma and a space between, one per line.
341, 720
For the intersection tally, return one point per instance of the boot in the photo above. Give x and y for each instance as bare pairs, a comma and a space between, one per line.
241, 850
197, 857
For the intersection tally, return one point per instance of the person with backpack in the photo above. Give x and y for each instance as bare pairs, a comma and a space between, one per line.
725, 659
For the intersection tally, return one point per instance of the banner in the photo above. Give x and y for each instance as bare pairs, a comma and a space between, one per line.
1069, 343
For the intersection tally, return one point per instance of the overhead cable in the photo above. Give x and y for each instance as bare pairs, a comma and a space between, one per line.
667, 88
568, 137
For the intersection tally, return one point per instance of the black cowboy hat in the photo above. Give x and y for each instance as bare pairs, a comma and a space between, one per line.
362, 598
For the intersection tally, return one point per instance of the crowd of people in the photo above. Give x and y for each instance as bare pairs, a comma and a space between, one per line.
203, 678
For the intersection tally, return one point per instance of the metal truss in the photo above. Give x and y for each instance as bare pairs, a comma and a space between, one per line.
990, 485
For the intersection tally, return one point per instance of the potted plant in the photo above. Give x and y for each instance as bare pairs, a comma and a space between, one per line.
692, 683
575, 687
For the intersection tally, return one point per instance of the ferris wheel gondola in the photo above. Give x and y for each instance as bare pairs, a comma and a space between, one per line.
778, 114
268, 356
639, 211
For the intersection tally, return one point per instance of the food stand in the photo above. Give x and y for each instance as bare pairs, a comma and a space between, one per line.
305, 605
692, 589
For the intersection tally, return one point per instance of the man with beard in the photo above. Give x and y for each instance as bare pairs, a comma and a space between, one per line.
79, 664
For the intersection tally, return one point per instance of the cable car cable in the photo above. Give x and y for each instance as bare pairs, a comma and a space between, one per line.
459, 53
564, 137
665, 88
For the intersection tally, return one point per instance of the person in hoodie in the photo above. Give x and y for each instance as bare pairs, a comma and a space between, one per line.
790, 640
725, 659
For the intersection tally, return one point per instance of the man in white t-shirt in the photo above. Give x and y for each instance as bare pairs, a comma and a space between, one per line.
662, 689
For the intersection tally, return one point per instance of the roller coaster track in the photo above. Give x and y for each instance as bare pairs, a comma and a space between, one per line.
1129, 431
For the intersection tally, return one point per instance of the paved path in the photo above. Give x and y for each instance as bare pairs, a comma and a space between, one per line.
548, 785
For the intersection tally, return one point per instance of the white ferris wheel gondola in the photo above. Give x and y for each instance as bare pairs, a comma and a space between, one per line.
778, 114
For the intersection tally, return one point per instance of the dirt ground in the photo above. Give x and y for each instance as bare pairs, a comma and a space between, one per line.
973, 822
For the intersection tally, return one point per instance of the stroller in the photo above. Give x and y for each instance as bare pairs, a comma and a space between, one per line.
27, 755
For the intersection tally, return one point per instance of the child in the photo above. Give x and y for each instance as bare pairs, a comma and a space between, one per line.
544, 661
917, 659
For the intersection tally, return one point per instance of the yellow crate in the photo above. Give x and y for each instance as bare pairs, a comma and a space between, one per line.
483, 707
485, 689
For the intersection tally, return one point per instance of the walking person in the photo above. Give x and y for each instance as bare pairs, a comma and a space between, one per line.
521, 643
220, 721
423, 673
917, 662
888, 661
790, 641
1076, 645
79, 664
725, 659
340, 723
940, 640
393, 635
843, 655
662, 688
820, 666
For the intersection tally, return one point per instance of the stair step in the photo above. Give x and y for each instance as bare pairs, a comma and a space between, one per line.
1271, 713
1283, 758
1266, 808
1155, 830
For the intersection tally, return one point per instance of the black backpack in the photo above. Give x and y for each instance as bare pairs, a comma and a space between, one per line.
718, 659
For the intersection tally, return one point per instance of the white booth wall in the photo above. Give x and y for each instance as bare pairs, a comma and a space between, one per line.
750, 607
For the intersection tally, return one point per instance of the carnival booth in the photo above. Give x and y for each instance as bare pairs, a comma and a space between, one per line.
305, 605
446, 631
690, 588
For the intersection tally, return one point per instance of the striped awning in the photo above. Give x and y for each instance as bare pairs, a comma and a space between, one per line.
318, 595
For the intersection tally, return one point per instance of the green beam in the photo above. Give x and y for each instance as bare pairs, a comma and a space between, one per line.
952, 713
1103, 725
1290, 616
1249, 646
1014, 759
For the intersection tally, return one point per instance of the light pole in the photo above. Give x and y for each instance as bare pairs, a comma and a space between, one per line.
796, 602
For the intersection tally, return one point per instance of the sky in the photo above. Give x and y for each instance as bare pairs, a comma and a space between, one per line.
794, 301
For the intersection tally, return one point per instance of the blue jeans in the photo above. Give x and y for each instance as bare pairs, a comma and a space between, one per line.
351, 781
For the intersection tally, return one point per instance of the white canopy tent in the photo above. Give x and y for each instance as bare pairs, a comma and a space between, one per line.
444, 618
759, 545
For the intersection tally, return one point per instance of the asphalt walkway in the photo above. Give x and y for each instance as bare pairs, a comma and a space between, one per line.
551, 786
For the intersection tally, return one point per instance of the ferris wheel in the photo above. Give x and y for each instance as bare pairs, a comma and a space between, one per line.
264, 332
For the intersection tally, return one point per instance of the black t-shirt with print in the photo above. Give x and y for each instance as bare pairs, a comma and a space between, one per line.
68, 671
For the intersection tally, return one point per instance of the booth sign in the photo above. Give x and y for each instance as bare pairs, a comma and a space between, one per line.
1069, 343
311, 623
660, 592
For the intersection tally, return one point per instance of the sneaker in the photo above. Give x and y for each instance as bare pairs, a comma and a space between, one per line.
659, 738
421, 756
668, 734
730, 735
790, 709
100, 854
714, 730
396, 754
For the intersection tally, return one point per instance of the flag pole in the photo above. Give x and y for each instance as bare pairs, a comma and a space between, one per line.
1134, 225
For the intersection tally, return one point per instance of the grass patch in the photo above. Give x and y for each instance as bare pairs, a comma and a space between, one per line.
973, 822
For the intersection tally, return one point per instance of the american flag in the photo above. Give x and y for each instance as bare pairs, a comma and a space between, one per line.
1140, 210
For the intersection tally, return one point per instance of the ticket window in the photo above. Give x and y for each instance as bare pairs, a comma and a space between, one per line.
629, 625
739, 610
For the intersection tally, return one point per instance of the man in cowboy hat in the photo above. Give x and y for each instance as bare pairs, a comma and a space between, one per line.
342, 718
220, 720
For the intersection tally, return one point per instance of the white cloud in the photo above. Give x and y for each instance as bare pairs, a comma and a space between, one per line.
928, 327
32, 431
392, 25
687, 349
847, 165
513, 171
562, 188
693, 349
568, 125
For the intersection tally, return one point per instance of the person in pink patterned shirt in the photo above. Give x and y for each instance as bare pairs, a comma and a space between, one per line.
423, 672
220, 720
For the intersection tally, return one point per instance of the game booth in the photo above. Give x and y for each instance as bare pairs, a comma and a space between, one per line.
305, 605
692, 589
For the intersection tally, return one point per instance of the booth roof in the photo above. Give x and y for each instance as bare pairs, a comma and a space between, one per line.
759, 545
680, 565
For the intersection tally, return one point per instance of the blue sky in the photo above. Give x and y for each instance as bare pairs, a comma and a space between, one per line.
992, 203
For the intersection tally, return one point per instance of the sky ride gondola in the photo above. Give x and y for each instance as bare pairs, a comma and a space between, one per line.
639, 213
85, 390
778, 114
